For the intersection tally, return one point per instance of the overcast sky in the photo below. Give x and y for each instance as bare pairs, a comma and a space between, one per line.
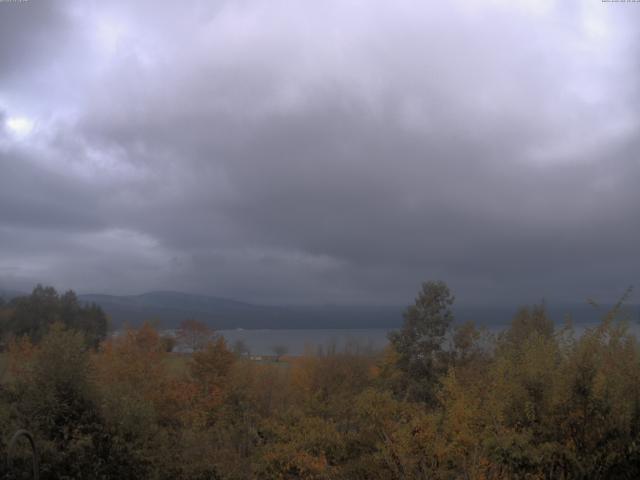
335, 151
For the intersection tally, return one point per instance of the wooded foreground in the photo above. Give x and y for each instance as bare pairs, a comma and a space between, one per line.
443, 401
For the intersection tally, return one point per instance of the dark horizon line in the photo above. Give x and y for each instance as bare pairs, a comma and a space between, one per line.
484, 305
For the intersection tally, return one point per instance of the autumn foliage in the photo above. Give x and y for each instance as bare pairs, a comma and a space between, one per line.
443, 401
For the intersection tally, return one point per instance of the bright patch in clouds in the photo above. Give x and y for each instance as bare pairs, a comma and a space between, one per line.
19, 126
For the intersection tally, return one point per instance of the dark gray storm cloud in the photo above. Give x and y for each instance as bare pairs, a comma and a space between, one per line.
322, 151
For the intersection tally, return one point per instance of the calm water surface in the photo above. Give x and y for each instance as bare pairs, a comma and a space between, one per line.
298, 342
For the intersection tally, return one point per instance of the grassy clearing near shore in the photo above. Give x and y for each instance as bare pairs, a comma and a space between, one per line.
178, 363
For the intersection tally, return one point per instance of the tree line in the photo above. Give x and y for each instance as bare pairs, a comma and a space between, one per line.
32, 315
443, 401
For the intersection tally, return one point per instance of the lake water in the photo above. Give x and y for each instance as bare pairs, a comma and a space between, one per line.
300, 341
297, 342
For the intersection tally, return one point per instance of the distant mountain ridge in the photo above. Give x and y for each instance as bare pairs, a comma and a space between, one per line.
9, 294
168, 308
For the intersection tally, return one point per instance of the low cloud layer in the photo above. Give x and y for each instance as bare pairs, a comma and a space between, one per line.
339, 151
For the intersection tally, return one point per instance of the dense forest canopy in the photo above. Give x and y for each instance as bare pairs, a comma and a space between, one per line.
444, 400
32, 315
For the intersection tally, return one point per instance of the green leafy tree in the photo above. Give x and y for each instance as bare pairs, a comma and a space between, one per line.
56, 401
34, 314
419, 344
